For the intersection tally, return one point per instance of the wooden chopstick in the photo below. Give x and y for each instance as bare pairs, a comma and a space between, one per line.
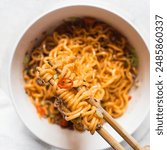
127, 137
116, 145
113, 143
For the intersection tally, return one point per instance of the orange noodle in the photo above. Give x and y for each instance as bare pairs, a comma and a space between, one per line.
87, 59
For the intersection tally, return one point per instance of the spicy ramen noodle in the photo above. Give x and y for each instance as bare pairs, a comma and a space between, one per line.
87, 58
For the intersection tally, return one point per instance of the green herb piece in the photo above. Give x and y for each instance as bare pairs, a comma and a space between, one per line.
132, 55
55, 76
52, 116
78, 88
77, 120
26, 59
73, 19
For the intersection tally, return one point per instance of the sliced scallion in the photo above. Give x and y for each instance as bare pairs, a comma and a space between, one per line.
55, 76
26, 59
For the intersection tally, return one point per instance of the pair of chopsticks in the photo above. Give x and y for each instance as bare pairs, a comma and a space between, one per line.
113, 143
128, 138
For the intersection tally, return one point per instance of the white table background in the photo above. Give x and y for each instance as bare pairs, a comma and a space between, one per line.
15, 15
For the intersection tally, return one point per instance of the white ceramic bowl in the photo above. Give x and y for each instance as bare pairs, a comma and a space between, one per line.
53, 134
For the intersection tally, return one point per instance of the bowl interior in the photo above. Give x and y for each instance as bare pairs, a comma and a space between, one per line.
53, 134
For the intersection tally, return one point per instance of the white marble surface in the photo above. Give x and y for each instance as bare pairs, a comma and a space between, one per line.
14, 17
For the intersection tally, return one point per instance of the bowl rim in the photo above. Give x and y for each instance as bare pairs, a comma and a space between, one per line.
64, 5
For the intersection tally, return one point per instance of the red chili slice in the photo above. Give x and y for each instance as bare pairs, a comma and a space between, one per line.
65, 83
129, 98
40, 110
89, 21
63, 123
